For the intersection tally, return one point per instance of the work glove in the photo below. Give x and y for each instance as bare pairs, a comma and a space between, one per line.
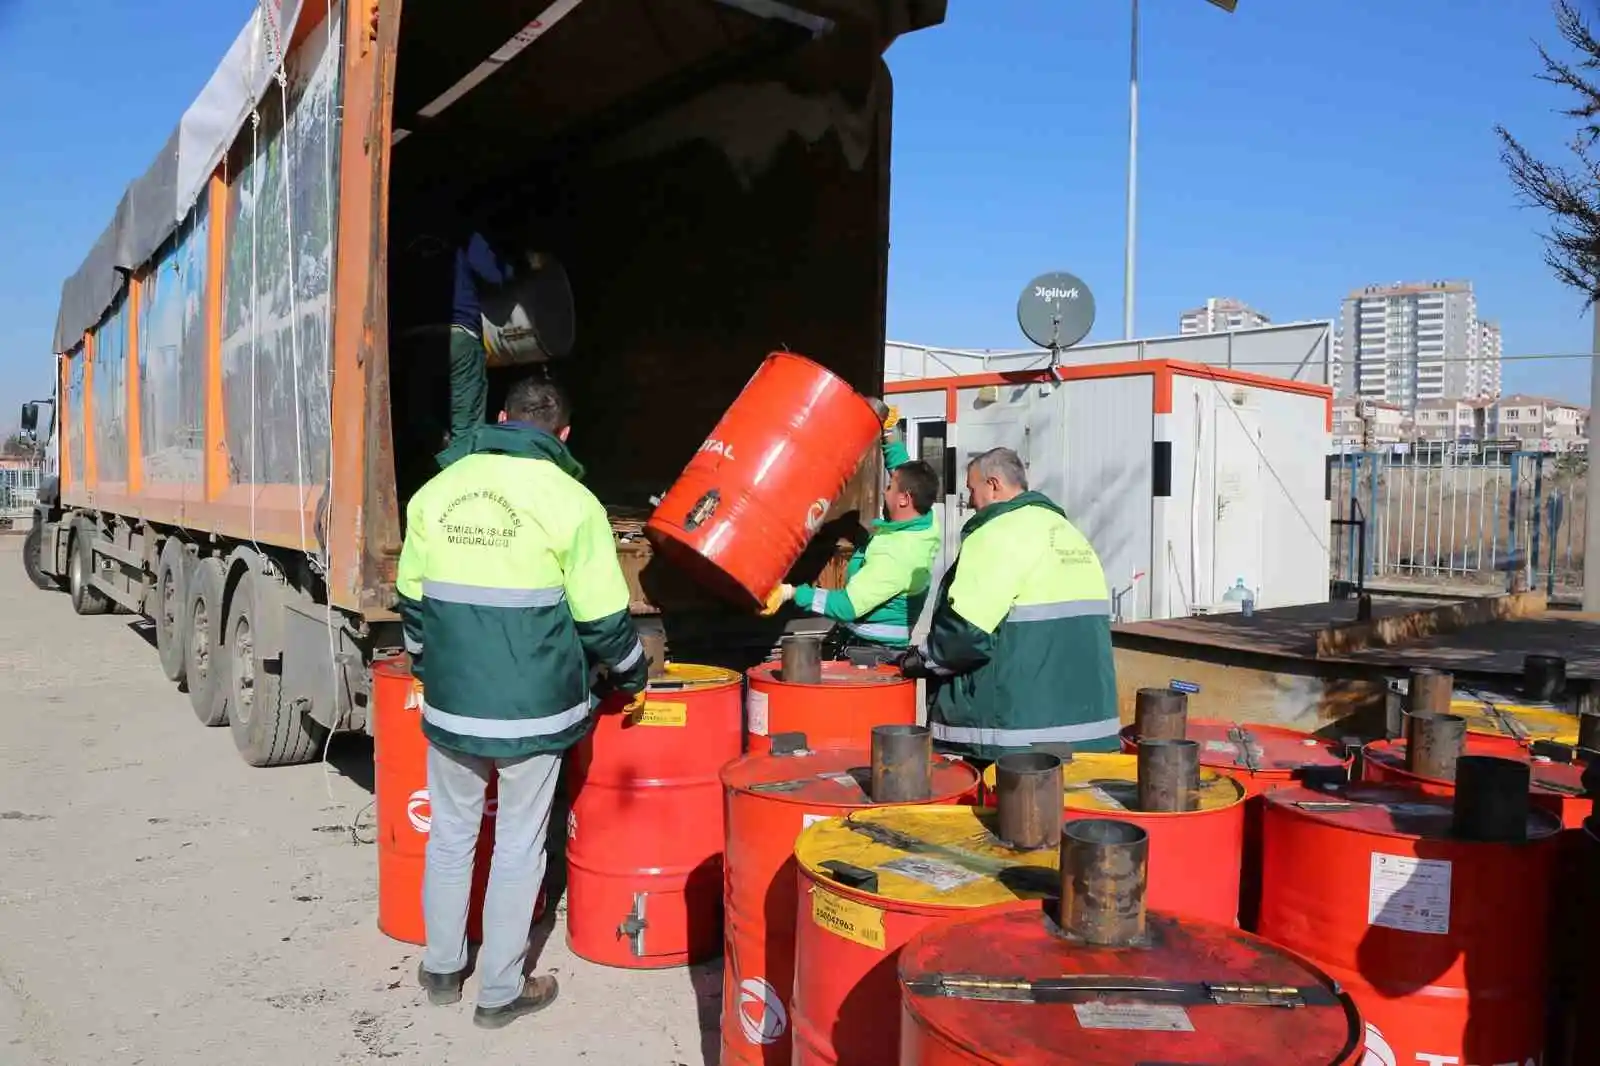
779, 596
912, 665
891, 419
635, 702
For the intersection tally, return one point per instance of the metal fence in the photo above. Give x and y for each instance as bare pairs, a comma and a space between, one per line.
1457, 516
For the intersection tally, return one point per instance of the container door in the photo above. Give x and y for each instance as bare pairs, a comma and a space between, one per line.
928, 440
1236, 540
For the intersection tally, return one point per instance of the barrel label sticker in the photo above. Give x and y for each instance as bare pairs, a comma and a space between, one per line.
1188, 688
419, 810
809, 820
815, 514
940, 876
661, 714
755, 710
761, 1015
845, 918
838, 778
1412, 895
1137, 1017
1379, 1053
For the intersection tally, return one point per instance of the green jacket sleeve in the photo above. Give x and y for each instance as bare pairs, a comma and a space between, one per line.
469, 393
597, 596
888, 570
894, 451
408, 581
986, 583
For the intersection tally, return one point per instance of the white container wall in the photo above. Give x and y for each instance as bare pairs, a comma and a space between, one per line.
1227, 486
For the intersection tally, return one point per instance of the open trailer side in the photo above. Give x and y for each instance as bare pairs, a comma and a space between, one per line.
250, 361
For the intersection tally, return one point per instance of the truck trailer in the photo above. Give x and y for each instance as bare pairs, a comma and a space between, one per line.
251, 368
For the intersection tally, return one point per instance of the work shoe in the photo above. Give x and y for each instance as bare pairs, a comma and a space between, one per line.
537, 994
443, 988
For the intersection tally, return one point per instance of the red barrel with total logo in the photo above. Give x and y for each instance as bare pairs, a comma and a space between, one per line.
761, 486
400, 762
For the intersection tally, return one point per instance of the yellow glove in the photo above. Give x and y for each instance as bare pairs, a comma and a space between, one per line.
779, 596
635, 703
892, 419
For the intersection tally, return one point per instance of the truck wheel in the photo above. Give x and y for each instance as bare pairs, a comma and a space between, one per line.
32, 552
205, 658
168, 610
266, 731
85, 598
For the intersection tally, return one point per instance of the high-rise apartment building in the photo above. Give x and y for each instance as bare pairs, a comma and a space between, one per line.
1413, 342
1483, 373
1221, 315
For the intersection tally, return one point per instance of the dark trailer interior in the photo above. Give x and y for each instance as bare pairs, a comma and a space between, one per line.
712, 174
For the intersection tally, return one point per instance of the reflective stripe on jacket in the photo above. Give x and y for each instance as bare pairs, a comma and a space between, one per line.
887, 581
510, 590
1020, 641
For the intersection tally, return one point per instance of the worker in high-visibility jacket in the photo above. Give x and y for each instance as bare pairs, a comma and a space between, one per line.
888, 577
510, 594
1019, 646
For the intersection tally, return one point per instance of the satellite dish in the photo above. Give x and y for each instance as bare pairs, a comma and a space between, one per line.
1056, 310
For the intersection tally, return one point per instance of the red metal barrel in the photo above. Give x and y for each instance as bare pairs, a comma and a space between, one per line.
1195, 856
838, 713
1556, 787
1264, 757
962, 1023
644, 835
761, 485
1443, 943
400, 765
870, 882
769, 800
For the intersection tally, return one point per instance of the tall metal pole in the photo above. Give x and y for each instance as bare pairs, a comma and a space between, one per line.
1133, 176
1591, 539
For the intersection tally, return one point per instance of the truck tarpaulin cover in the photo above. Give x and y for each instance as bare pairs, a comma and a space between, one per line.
158, 201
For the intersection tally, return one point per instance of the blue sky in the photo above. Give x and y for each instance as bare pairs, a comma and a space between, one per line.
1289, 152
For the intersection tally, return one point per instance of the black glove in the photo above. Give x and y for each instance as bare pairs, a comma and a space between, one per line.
913, 665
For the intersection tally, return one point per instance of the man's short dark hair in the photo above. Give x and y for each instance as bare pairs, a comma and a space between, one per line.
539, 402
918, 479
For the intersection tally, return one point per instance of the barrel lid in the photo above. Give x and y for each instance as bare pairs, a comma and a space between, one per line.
1105, 782
832, 777
834, 675
691, 676
1549, 777
1260, 748
1500, 715
1006, 987
943, 856
1388, 810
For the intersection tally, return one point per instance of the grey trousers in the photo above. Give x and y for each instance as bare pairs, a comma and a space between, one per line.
456, 787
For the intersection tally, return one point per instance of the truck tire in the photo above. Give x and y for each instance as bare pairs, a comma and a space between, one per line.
267, 731
205, 656
171, 643
32, 550
86, 599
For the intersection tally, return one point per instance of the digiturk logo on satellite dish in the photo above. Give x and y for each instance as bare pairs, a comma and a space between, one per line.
770, 1020
420, 810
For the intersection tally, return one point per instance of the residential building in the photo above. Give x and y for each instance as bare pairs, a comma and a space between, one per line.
1452, 420
1388, 425
1412, 342
1540, 423
1336, 361
1483, 373
1221, 315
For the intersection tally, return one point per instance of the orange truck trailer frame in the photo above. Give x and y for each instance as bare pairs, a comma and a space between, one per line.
229, 418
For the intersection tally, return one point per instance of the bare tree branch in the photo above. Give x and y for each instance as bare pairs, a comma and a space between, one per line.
1570, 195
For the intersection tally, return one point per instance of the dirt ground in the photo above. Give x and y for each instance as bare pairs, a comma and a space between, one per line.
163, 903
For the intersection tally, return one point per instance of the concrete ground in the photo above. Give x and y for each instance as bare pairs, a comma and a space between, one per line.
163, 903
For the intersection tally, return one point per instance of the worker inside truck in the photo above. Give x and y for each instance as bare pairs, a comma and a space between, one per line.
888, 577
